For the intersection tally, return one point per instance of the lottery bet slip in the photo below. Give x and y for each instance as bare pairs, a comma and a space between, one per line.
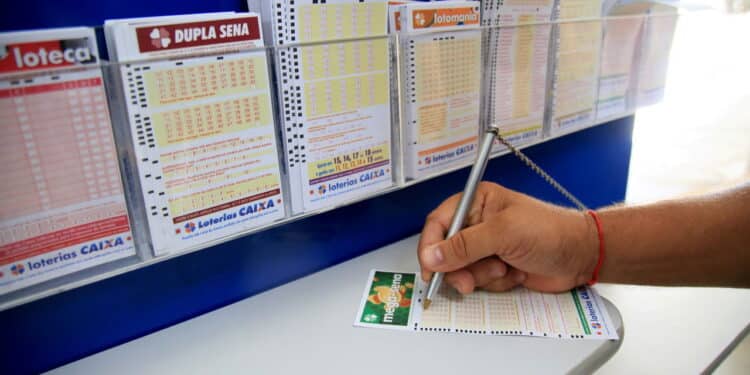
576, 73
202, 126
517, 61
443, 47
62, 209
393, 300
335, 102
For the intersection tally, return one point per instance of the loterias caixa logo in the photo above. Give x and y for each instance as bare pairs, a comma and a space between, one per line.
199, 225
62, 257
160, 37
19, 57
17, 269
194, 34
189, 227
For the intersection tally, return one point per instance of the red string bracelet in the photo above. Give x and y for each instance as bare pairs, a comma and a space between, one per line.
600, 232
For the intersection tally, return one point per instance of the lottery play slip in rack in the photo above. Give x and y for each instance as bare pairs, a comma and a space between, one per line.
206, 127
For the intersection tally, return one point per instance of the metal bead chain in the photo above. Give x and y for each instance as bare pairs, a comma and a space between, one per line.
538, 170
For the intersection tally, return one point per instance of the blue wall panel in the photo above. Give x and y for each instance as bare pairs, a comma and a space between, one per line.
35, 14
592, 164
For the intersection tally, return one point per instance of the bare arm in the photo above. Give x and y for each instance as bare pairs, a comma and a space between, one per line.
514, 239
702, 241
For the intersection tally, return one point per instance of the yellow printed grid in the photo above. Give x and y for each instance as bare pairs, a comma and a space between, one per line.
579, 50
213, 167
344, 58
571, 9
226, 193
345, 94
577, 63
198, 81
189, 124
448, 74
432, 120
523, 66
439, 121
447, 68
204, 151
317, 22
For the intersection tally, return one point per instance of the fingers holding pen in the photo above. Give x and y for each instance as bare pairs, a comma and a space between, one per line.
460, 250
476, 275
477, 241
433, 232
513, 278
435, 229
466, 281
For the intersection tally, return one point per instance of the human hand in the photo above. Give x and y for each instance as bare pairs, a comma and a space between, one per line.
509, 239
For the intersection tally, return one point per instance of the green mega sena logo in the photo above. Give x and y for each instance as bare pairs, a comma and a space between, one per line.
389, 299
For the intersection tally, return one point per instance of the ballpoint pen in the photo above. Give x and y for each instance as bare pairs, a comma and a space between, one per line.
477, 171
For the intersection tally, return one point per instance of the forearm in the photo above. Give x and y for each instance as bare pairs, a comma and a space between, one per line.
703, 241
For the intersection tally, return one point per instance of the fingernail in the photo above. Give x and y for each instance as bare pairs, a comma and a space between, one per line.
434, 256
497, 271
426, 278
520, 277
464, 289
457, 286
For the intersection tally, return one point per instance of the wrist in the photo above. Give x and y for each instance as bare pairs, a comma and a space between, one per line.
600, 258
589, 248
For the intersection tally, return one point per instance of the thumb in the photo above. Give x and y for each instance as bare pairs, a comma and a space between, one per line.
465, 247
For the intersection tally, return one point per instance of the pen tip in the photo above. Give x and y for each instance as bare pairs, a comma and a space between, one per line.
426, 304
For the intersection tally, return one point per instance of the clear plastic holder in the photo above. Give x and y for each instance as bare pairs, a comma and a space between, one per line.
398, 67
520, 62
118, 95
88, 206
573, 89
489, 36
619, 61
653, 56
200, 140
441, 91
337, 106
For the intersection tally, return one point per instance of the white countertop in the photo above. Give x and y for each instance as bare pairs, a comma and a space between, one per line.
674, 330
306, 327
